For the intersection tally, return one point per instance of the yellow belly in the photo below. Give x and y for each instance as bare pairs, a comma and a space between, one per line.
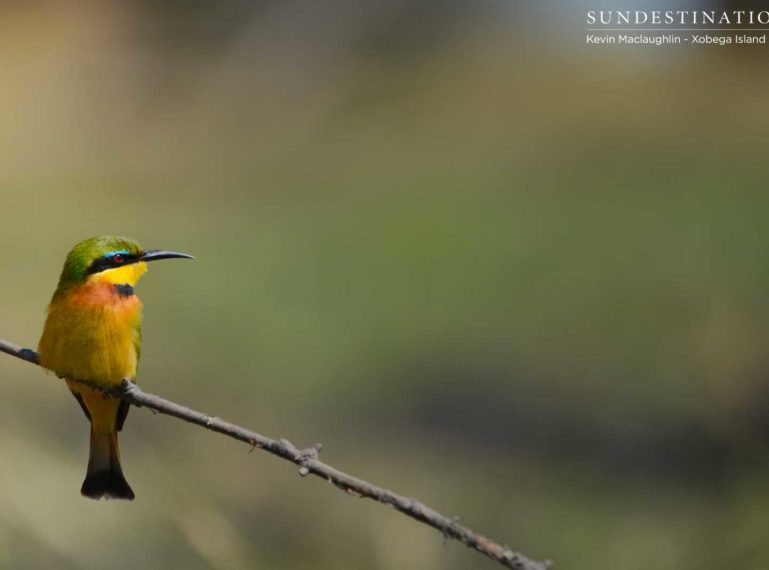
92, 338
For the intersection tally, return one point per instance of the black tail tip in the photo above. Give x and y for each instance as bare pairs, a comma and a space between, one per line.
107, 484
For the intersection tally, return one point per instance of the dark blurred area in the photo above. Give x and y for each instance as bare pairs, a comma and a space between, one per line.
518, 277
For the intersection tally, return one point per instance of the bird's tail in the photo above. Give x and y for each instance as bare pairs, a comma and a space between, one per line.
105, 477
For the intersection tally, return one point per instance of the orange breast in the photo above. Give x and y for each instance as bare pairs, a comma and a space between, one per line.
92, 334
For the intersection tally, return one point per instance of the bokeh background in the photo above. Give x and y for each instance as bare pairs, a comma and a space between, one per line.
520, 278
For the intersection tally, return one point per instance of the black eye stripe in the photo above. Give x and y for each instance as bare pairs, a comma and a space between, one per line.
110, 261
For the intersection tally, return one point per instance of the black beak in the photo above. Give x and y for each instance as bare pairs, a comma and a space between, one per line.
155, 254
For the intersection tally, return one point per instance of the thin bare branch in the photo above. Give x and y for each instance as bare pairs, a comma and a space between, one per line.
309, 464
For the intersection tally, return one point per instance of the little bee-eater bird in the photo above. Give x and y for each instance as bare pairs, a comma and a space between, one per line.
92, 339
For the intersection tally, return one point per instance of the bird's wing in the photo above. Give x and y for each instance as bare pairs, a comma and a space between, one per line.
137, 346
122, 410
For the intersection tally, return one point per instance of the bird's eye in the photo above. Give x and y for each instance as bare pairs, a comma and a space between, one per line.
118, 258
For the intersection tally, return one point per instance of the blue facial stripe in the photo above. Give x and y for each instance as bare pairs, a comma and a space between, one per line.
123, 252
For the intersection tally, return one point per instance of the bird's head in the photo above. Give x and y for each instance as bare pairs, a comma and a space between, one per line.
109, 259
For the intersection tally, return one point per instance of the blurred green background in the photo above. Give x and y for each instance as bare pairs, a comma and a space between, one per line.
487, 266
